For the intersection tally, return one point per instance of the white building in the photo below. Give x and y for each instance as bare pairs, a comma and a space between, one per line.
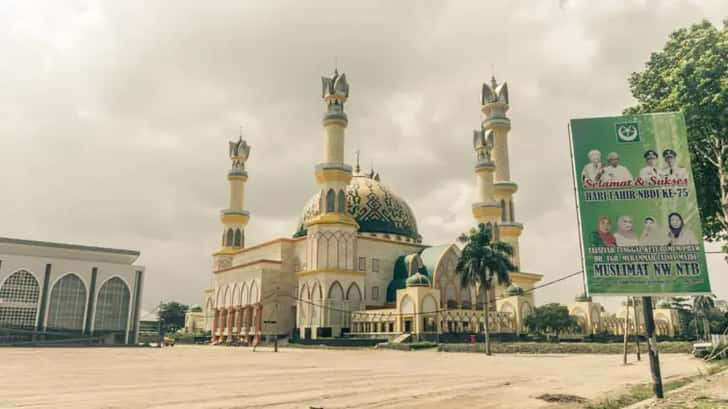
66, 291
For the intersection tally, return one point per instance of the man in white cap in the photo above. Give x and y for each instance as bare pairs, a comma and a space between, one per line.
614, 172
594, 169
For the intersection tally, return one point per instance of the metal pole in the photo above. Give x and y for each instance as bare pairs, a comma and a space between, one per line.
652, 346
576, 205
626, 331
635, 303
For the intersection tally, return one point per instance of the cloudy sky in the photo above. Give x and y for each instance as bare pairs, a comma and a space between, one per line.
115, 116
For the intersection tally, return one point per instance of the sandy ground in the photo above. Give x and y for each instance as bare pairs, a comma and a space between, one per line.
198, 377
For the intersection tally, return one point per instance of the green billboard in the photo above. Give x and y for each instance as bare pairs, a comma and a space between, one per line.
638, 211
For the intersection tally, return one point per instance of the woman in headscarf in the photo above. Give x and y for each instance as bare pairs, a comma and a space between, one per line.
677, 233
603, 237
625, 232
651, 235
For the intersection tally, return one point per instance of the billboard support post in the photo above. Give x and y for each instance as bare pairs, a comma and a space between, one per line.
652, 347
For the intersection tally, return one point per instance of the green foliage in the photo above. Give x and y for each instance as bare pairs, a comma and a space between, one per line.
689, 75
551, 319
484, 260
172, 315
196, 308
423, 345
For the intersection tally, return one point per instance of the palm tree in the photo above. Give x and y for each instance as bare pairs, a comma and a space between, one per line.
482, 261
702, 304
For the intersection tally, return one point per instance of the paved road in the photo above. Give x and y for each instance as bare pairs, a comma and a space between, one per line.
204, 377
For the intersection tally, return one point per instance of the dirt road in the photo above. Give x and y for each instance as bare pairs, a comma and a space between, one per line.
198, 377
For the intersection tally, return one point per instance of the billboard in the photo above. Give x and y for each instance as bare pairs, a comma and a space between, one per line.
638, 211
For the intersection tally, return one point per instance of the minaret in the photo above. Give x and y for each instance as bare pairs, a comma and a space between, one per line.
494, 101
235, 218
486, 210
332, 174
331, 235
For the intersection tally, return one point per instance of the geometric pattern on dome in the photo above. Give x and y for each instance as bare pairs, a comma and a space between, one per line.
374, 207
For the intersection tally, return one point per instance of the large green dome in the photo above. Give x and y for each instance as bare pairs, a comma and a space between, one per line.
374, 206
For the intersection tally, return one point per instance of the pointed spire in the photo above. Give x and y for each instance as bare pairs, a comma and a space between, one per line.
358, 168
493, 82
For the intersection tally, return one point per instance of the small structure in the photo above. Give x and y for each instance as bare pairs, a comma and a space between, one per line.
69, 292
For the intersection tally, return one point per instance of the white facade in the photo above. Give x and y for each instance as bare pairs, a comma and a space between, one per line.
56, 290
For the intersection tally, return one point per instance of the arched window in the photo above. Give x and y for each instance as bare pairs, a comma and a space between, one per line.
112, 307
229, 241
510, 209
330, 201
353, 293
67, 304
19, 300
342, 202
238, 238
503, 210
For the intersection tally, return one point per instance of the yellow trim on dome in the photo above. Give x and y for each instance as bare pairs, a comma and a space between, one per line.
329, 270
232, 218
510, 230
333, 175
333, 218
486, 211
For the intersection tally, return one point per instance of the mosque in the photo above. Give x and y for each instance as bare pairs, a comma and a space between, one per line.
357, 265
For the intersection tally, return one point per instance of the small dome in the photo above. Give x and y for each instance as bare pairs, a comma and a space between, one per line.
374, 206
582, 298
663, 304
513, 290
418, 280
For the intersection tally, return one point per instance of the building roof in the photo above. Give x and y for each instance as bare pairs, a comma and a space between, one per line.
127, 255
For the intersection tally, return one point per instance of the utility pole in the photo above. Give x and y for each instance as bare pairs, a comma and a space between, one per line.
652, 346
635, 303
161, 334
626, 330
275, 327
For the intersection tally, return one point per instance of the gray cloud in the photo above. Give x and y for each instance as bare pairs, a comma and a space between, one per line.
114, 116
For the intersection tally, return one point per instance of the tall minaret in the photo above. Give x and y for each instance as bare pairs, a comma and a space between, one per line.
332, 174
494, 100
235, 218
331, 235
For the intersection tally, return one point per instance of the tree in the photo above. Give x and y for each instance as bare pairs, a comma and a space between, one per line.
482, 262
551, 318
689, 75
172, 315
702, 306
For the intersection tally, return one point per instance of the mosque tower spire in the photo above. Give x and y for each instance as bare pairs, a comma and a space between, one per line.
333, 174
496, 125
332, 234
235, 217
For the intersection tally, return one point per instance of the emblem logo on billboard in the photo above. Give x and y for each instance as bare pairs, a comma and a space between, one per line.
628, 132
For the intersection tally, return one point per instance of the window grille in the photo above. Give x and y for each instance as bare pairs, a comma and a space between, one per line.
19, 300
362, 264
375, 293
375, 265
112, 308
67, 304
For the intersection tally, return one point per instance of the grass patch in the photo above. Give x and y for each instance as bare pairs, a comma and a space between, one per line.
423, 345
639, 393
567, 347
